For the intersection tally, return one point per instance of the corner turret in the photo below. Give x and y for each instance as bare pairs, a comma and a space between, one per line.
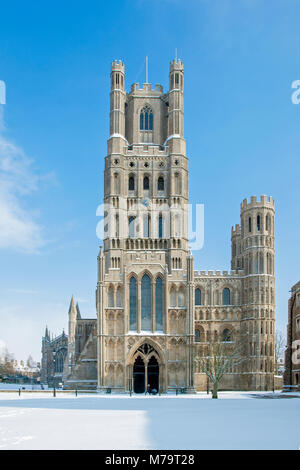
117, 107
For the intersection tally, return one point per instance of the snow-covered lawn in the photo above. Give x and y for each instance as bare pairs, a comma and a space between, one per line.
40, 421
5, 386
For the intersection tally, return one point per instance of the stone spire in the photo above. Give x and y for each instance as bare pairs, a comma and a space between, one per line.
72, 307
47, 335
72, 320
78, 312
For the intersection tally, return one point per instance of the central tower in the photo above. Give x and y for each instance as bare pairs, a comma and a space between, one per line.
157, 317
144, 306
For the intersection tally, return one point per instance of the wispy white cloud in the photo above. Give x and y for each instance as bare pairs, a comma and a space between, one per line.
24, 291
19, 229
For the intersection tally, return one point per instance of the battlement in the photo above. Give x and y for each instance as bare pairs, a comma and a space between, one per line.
147, 87
236, 230
264, 201
177, 65
146, 257
146, 150
118, 66
219, 274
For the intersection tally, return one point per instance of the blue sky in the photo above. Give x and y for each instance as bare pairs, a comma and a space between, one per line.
241, 127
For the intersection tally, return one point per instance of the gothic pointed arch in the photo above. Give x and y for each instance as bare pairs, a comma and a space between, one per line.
146, 303
132, 303
146, 118
159, 303
226, 296
156, 346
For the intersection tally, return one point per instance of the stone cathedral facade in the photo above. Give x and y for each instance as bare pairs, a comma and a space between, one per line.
156, 314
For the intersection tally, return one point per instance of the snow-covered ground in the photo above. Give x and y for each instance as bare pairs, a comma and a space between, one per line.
4, 386
237, 420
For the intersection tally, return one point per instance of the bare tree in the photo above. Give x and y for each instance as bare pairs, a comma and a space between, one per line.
278, 349
30, 362
222, 354
6, 363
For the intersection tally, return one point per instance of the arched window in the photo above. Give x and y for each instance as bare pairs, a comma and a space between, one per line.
110, 296
267, 223
119, 297
258, 223
159, 301
146, 182
146, 225
198, 297
146, 119
255, 264
226, 296
141, 121
160, 184
117, 225
197, 336
173, 302
131, 183
132, 304
59, 361
131, 222
160, 226
250, 225
233, 250
61, 365
261, 263
146, 303
181, 297
269, 264
226, 336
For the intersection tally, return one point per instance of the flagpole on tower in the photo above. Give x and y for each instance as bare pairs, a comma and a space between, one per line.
146, 69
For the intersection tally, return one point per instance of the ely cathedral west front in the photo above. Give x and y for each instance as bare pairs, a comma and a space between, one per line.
156, 314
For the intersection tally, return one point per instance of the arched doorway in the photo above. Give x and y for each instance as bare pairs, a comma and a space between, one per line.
153, 373
139, 375
146, 370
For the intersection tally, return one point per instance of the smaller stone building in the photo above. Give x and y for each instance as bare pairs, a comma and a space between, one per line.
54, 353
80, 369
291, 376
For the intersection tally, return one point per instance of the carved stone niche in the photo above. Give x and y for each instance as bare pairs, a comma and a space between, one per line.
130, 342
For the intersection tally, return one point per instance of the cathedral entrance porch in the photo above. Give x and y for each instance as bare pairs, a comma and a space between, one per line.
145, 374
146, 370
